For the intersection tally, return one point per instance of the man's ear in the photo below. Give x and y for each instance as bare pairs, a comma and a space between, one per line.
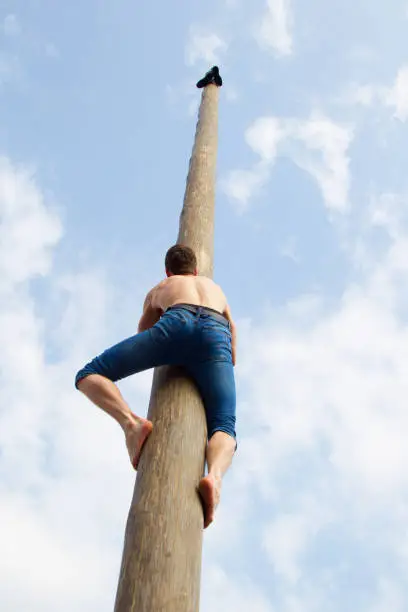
196, 272
168, 273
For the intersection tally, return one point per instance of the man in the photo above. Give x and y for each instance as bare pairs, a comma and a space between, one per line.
186, 322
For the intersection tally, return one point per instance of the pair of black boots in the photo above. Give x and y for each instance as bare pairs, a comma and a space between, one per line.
212, 77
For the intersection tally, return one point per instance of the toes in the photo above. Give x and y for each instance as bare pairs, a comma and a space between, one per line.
207, 493
142, 437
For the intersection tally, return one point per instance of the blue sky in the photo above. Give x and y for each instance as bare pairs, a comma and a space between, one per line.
98, 109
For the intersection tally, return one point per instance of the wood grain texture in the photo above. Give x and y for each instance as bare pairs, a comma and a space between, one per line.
161, 562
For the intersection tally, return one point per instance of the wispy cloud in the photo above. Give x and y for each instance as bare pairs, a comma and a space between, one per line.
28, 230
47, 461
394, 96
263, 136
285, 540
363, 95
339, 428
224, 593
331, 169
397, 96
289, 249
204, 46
274, 32
242, 185
318, 146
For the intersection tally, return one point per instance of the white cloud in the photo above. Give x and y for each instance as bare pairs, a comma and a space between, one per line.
388, 211
242, 185
274, 31
370, 94
364, 95
54, 445
362, 53
264, 136
222, 593
317, 145
331, 414
389, 597
397, 96
331, 171
204, 46
28, 229
347, 389
285, 539
11, 25
289, 249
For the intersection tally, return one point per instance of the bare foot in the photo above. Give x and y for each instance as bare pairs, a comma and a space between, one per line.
136, 434
210, 490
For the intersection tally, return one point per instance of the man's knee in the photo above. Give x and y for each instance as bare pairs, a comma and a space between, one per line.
224, 435
83, 374
80, 380
93, 367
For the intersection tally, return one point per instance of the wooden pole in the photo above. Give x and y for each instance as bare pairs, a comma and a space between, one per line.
161, 562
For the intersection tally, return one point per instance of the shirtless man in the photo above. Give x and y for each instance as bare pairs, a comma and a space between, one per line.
186, 321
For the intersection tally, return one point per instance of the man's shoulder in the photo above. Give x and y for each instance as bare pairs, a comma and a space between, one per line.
206, 280
179, 278
159, 285
155, 289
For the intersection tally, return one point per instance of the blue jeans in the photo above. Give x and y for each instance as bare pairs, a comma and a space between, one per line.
197, 341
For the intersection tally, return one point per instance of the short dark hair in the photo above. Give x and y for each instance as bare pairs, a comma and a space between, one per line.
180, 259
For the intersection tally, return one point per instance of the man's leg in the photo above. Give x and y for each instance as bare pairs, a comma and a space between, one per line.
219, 454
216, 383
96, 380
105, 394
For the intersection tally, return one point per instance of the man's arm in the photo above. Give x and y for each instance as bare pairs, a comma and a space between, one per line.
227, 314
150, 315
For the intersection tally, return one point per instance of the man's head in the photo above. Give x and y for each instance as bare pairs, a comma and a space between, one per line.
180, 259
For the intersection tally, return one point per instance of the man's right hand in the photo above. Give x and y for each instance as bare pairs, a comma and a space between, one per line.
227, 315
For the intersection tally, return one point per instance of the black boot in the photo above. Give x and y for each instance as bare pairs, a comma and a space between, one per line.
217, 76
211, 77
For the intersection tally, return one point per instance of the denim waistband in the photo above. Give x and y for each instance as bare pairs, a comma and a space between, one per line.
204, 310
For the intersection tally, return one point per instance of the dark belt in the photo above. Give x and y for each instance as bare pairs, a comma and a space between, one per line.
202, 309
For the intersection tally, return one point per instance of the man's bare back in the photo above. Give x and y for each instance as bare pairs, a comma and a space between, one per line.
186, 289
197, 290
